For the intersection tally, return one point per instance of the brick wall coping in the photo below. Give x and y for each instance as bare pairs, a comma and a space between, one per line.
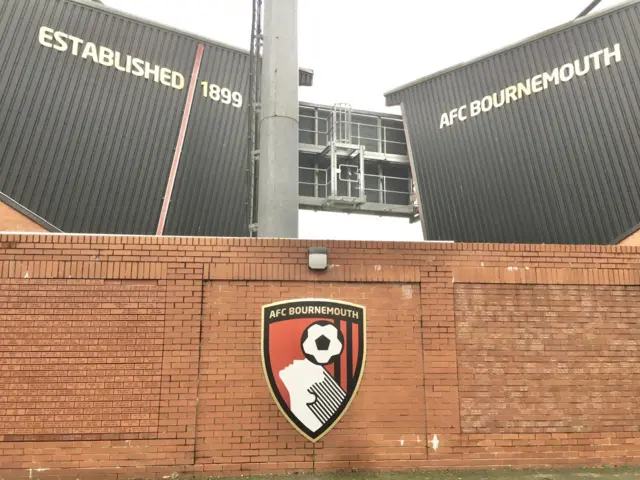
98, 239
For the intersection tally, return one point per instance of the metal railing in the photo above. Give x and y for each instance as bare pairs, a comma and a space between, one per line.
338, 124
382, 194
361, 134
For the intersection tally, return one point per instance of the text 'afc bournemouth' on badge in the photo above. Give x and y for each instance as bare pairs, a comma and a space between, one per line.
313, 352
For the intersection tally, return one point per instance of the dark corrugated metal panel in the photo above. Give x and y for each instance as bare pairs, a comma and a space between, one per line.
211, 188
89, 147
83, 145
10, 202
558, 166
625, 234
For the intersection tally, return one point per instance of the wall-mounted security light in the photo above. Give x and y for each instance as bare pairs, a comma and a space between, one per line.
318, 259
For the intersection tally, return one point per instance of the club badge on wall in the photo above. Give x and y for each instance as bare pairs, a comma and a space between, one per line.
313, 353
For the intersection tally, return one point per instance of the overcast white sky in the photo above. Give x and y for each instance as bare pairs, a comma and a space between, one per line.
360, 49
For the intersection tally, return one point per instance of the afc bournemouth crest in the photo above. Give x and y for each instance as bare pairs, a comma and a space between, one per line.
313, 352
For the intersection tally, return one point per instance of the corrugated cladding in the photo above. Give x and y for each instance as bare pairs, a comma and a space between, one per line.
85, 146
215, 153
89, 148
558, 166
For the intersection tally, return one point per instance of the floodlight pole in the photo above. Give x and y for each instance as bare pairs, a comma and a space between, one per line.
278, 161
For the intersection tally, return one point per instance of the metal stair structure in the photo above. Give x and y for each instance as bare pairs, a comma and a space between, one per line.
346, 159
354, 161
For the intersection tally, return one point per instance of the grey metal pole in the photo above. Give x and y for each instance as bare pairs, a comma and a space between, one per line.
278, 161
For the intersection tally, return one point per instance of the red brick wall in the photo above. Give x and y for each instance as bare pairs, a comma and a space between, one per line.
139, 356
82, 359
389, 406
565, 356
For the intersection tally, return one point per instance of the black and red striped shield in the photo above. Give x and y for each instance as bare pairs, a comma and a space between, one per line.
313, 353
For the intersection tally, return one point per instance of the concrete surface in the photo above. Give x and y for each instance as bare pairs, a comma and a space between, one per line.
618, 473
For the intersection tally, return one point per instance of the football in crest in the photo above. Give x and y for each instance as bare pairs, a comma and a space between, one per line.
313, 353
322, 342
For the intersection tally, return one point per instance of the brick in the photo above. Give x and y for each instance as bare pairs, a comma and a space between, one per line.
116, 354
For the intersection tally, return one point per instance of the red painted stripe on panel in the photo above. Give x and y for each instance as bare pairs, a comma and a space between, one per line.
180, 142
